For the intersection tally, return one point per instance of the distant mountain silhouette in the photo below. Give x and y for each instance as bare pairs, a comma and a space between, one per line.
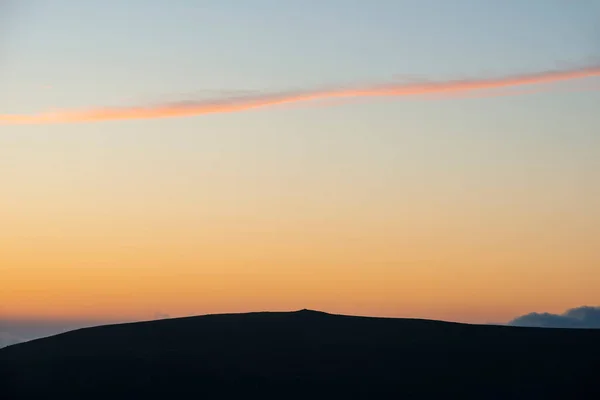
303, 354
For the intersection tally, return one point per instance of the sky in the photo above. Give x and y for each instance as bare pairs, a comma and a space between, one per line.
473, 207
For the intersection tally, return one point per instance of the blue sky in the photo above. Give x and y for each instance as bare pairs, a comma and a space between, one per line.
147, 52
148, 49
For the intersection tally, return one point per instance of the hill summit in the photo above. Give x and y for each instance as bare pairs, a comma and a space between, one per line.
303, 354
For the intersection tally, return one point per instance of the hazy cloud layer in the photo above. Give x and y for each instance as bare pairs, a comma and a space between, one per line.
16, 331
6, 339
580, 317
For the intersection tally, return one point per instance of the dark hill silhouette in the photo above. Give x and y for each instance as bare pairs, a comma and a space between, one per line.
303, 354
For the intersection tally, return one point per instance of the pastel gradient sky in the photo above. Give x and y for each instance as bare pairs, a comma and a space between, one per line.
466, 209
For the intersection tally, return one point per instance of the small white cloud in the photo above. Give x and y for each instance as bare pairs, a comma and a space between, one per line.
580, 317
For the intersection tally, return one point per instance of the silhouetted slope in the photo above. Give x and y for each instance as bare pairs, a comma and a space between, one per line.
303, 354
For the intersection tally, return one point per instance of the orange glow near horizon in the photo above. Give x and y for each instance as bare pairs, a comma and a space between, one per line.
85, 278
241, 104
